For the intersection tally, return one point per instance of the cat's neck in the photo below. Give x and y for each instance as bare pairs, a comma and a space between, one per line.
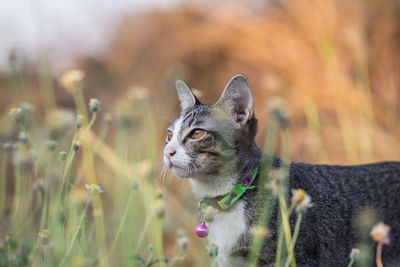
247, 159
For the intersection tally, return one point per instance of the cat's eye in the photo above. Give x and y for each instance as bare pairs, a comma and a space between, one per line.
169, 135
197, 133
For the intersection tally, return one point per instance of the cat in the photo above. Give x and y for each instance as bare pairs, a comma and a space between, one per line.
213, 146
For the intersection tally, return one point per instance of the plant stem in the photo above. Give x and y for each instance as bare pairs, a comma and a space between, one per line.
121, 225
28, 137
295, 234
286, 227
143, 233
379, 255
351, 262
78, 228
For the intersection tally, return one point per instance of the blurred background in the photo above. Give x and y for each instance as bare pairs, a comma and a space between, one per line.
332, 66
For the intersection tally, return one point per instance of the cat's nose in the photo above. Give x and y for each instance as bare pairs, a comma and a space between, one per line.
170, 153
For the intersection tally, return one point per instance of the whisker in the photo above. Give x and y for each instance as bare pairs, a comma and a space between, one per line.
164, 173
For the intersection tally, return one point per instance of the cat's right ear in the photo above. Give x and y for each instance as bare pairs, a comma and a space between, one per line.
186, 97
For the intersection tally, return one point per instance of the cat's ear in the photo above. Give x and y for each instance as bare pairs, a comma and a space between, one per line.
237, 99
186, 97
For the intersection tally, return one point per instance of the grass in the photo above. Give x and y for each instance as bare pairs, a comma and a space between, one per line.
340, 86
78, 201
66, 220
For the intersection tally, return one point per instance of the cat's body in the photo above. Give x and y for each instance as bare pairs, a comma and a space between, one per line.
214, 145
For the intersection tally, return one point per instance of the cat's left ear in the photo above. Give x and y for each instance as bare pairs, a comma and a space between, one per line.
237, 99
186, 97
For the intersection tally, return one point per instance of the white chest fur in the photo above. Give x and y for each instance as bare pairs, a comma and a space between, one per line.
225, 230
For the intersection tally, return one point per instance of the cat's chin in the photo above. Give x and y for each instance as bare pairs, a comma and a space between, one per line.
179, 172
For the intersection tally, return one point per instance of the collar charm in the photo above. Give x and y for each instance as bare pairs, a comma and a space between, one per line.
201, 229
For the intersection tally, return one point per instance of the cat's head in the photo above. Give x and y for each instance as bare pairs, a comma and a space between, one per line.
205, 138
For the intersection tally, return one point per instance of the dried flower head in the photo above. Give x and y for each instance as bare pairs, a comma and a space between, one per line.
159, 207
277, 178
197, 92
22, 137
71, 79
76, 146
107, 118
380, 233
298, 195
279, 112
355, 252
209, 213
80, 120
183, 243
94, 105
302, 200
15, 112
259, 232
7, 146
137, 93
44, 233
135, 186
51, 145
62, 156
44, 236
212, 250
93, 189
39, 184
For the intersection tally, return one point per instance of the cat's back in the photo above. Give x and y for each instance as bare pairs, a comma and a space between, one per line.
376, 181
338, 194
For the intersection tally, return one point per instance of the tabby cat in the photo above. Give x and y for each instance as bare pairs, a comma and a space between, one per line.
213, 146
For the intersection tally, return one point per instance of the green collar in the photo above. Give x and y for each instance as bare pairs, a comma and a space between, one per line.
238, 191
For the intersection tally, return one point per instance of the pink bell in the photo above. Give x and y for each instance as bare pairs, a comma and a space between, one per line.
202, 230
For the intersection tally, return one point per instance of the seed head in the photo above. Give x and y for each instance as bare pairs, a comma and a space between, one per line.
259, 232
380, 233
94, 105
7, 146
44, 236
197, 92
62, 156
355, 252
80, 119
209, 213
76, 145
44, 233
277, 178
302, 200
93, 189
22, 137
277, 109
15, 112
212, 250
107, 118
159, 207
134, 186
71, 79
183, 243
51, 145
136, 93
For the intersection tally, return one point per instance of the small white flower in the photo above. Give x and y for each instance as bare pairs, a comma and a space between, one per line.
380, 233
94, 104
93, 189
302, 200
